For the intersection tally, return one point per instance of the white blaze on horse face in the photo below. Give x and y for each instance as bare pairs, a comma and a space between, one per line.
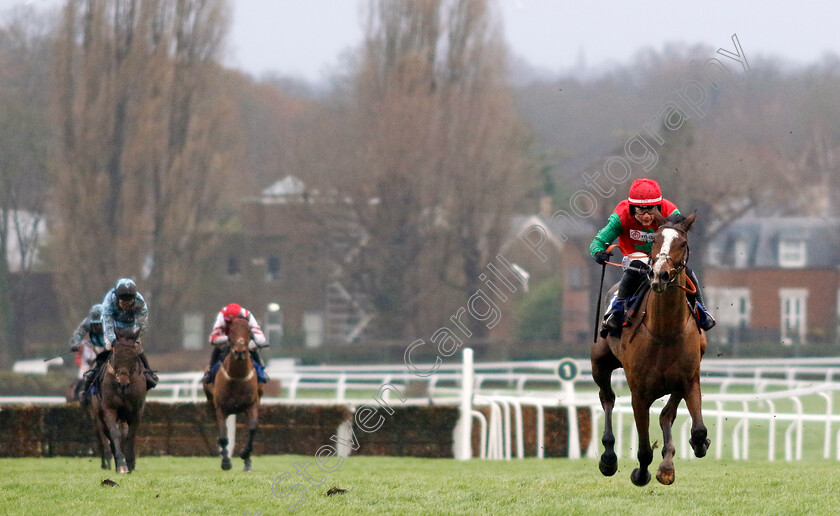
669, 236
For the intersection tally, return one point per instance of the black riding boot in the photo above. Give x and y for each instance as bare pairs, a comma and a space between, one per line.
630, 281
705, 319
151, 377
215, 357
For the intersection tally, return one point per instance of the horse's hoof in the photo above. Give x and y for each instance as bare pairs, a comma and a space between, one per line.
608, 464
636, 477
247, 468
122, 469
700, 451
666, 477
226, 465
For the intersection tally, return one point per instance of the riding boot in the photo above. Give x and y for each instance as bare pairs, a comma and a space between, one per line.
614, 318
704, 318
255, 356
215, 357
151, 377
90, 375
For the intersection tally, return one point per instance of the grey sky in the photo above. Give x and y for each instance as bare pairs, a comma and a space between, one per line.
305, 38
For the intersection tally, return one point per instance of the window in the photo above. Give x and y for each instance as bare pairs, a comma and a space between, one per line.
732, 307
193, 331
233, 266
792, 253
272, 272
577, 279
741, 255
274, 324
794, 318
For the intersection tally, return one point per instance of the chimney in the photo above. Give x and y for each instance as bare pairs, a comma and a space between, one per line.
545, 206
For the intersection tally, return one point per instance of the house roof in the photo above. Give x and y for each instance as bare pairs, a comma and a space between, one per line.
760, 237
289, 186
558, 229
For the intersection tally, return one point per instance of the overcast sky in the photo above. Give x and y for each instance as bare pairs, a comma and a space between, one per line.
304, 38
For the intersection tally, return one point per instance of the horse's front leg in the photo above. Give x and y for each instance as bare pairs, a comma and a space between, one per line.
641, 413
130, 456
114, 431
698, 440
665, 473
253, 422
223, 440
104, 444
603, 364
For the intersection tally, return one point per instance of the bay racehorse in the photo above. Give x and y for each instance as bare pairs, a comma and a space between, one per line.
235, 390
660, 350
117, 405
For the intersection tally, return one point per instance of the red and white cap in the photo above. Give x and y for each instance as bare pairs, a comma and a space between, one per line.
645, 192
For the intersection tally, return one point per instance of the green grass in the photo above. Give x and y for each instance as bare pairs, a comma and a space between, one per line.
389, 485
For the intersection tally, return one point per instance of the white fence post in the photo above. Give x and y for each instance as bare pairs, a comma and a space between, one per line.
463, 430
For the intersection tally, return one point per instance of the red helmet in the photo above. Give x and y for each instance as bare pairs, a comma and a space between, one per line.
231, 312
645, 192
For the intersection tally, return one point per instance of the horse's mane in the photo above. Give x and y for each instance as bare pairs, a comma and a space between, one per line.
125, 353
673, 221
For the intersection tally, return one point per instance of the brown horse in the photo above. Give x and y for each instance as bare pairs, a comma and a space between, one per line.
660, 350
118, 405
235, 390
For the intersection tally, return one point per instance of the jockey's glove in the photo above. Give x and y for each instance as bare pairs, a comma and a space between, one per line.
602, 257
74, 348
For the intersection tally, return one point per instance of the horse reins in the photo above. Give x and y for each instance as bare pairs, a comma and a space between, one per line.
241, 379
690, 289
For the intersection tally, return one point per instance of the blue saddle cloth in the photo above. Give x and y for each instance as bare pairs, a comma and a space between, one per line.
261, 376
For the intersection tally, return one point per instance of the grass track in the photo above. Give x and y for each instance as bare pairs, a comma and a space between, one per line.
389, 485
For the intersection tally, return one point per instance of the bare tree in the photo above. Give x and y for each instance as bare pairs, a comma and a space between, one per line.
437, 160
143, 143
24, 52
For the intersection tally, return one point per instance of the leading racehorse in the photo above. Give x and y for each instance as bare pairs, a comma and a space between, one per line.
117, 405
660, 350
235, 389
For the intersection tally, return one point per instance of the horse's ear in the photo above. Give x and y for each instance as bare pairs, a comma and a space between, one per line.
686, 224
658, 217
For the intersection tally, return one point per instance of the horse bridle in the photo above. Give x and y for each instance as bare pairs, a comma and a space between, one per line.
677, 267
228, 377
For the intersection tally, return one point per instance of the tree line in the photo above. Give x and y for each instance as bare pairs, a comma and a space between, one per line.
124, 135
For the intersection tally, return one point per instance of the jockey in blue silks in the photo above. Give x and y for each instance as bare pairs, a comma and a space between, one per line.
124, 307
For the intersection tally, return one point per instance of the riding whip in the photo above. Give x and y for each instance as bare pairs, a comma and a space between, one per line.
600, 292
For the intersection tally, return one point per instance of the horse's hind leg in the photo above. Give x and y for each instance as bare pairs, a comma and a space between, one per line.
223, 440
698, 440
603, 364
665, 473
641, 413
253, 422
